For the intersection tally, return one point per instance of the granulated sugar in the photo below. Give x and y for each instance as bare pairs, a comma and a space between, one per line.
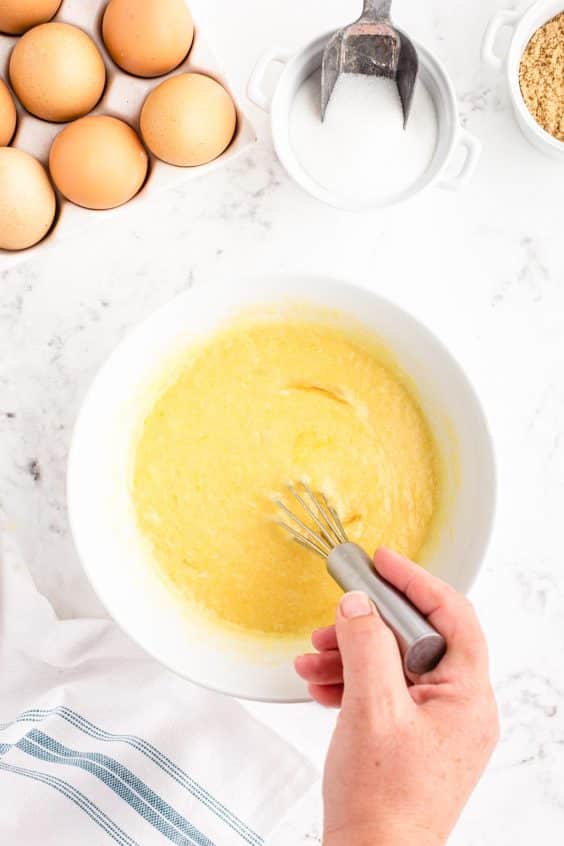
361, 151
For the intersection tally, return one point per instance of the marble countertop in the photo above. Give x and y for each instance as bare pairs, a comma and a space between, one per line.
484, 269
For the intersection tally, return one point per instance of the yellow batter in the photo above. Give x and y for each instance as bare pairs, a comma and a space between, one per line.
257, 406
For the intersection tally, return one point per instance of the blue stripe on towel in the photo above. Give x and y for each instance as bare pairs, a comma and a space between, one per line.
79, 799
158, 758
168, 766
128, 787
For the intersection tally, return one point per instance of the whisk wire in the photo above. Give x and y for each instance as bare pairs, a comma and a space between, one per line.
317, 509
309, 534
336, 523
322, 528
308, 544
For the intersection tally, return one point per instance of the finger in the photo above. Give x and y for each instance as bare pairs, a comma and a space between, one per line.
423, 693
372, 665
328, 695
448, 611
323, 639
323, 668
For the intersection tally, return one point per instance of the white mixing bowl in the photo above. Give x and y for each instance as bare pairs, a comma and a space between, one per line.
299, 65
101, 511
522, 24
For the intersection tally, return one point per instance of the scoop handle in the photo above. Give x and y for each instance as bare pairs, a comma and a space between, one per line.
376, 10
421, 645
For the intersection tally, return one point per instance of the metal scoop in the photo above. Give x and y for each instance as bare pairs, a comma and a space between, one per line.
371, 46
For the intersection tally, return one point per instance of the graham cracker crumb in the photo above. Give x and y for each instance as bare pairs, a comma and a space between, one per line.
541, 76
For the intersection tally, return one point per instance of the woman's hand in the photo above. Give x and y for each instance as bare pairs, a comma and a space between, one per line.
406, 754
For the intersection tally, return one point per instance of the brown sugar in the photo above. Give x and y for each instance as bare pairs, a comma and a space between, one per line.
541, 76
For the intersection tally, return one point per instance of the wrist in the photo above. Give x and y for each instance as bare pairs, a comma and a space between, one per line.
376, 835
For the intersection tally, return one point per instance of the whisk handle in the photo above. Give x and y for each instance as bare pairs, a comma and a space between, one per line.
421, 645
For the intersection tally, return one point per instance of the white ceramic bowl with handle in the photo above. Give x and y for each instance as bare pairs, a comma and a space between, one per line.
299, 65
102, 515
523, 25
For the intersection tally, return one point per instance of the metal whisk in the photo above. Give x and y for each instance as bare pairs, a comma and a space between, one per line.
421, 645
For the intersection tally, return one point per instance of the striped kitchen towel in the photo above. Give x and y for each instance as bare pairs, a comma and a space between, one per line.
100, 744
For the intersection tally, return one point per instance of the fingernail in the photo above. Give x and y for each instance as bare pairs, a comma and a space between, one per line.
355, 604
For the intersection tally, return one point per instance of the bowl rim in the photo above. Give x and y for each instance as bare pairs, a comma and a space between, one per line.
242, 282
451, 131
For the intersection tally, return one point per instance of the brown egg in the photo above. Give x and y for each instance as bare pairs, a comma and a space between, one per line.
188, 120
27, 200
98, 162
147, 37
17, 16
57, 72
7, 114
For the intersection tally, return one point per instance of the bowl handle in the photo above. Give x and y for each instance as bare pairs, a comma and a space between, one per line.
503, 18
255, 91
472, 148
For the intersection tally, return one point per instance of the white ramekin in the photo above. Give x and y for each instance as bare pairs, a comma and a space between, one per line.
100, 509
524, 24
298, 66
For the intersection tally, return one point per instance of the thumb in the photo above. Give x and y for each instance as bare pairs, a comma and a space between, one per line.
372, 666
